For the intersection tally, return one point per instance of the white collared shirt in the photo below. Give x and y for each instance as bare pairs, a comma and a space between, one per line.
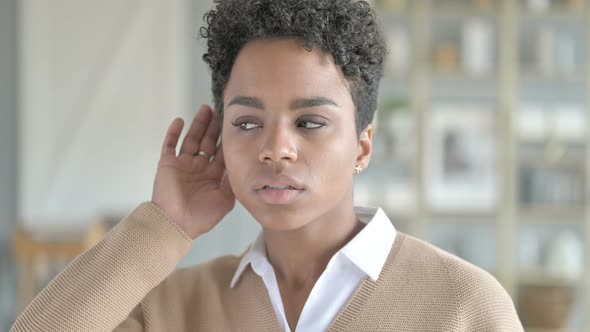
363, 256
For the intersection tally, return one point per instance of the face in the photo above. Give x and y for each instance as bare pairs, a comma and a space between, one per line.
289, 135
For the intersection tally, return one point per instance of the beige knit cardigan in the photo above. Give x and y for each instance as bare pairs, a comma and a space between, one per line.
127, 282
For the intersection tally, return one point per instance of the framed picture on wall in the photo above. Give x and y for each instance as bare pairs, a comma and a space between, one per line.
461, 165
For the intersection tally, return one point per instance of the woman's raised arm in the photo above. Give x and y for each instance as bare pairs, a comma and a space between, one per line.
101, 290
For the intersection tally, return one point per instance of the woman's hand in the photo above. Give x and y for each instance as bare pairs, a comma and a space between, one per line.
189, 188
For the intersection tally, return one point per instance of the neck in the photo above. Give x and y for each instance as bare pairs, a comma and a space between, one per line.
300, 256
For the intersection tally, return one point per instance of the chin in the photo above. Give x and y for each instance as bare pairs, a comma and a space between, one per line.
279, 226
278, 218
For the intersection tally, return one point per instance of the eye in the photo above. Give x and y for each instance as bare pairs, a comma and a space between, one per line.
310, 124
246, 125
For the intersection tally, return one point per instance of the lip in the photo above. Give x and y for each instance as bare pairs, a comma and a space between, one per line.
279, 196
281, 180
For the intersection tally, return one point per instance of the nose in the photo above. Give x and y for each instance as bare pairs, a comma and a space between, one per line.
278, 145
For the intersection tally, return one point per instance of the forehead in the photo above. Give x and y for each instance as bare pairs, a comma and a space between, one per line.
284, 68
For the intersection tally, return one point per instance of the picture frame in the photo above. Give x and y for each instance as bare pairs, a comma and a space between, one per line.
461, 158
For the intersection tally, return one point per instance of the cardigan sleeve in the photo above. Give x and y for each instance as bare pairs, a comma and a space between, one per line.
133, 323
484, 305
100, 289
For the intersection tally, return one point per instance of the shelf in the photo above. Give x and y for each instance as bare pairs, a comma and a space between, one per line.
464, 216
541, 159
568, 161
529, 75
538, 277
463, 14
554, 14
460, 76
548, 214
456, 85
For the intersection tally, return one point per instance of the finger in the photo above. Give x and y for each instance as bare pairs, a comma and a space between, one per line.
192, 139
209, 141
218, 163
171, 138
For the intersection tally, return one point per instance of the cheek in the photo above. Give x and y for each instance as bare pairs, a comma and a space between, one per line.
236, 174
331, 166
229, 154
235, 155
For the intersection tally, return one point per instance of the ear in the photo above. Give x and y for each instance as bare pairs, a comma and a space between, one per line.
365, 147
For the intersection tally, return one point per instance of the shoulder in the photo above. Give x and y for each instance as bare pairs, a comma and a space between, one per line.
482, 303
424, 254
459, 270
465, 277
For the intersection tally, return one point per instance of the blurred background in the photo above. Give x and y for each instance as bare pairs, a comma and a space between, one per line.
481, 143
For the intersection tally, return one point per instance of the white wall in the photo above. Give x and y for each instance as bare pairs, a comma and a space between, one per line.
8, 167
100, 82
8, 61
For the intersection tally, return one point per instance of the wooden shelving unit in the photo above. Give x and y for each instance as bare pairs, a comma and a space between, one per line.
423, 85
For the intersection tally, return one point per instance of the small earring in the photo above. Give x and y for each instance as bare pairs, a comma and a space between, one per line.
357, 169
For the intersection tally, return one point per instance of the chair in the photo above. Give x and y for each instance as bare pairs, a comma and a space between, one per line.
36, 251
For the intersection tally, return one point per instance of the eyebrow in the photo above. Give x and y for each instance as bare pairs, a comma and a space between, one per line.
247, 101
295, 104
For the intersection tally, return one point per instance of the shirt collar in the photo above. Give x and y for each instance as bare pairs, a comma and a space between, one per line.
368, 250
255, 255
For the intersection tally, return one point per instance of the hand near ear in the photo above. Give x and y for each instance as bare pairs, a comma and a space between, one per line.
189, 187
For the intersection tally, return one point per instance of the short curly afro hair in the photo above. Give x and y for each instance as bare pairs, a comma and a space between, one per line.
346, 29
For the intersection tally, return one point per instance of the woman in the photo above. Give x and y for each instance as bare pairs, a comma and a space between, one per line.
295, 88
